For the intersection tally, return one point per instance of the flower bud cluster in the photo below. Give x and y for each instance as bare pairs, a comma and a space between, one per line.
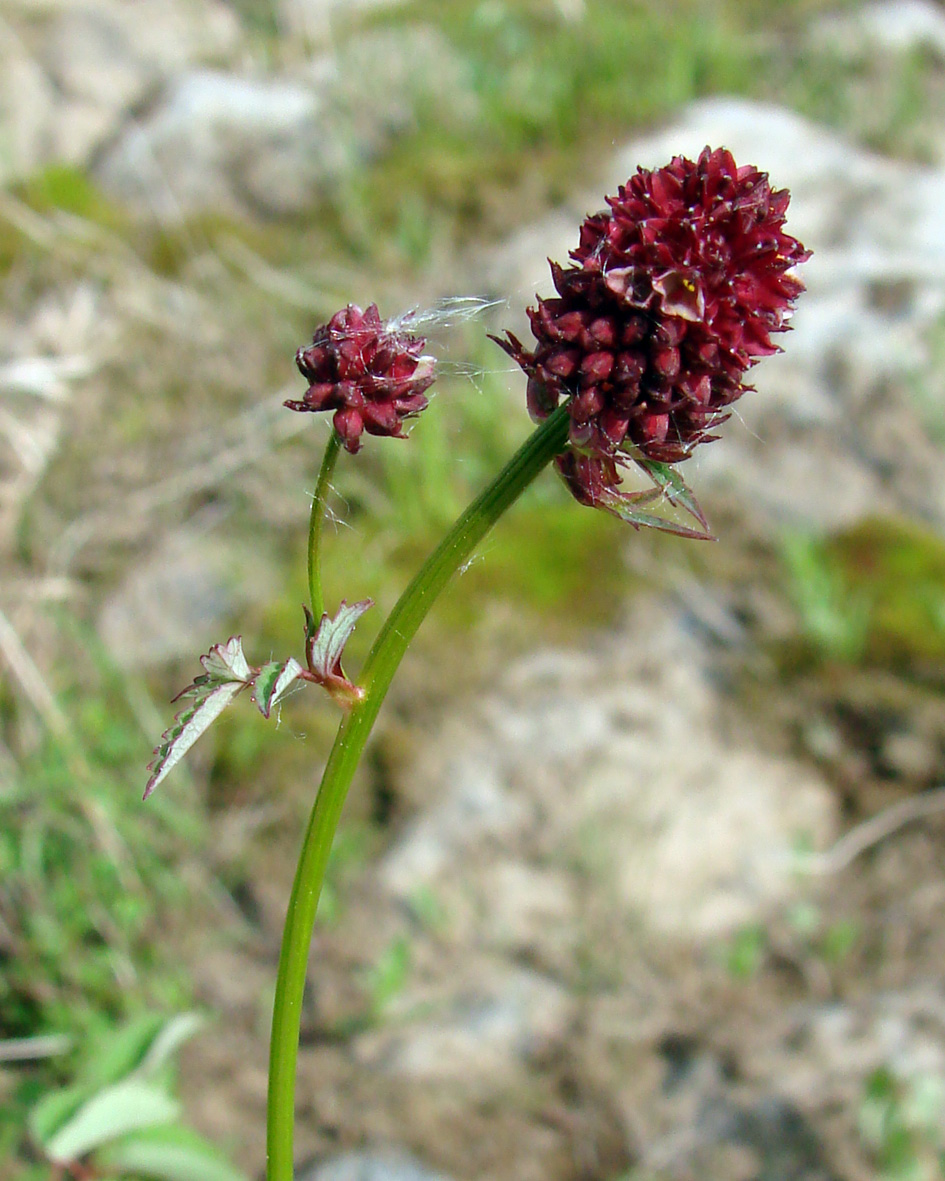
372, 376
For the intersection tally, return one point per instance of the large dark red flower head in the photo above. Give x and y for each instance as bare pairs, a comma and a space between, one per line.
674, 292
370, 374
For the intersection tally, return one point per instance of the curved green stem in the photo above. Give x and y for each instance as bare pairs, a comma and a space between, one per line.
382, 662
315, 523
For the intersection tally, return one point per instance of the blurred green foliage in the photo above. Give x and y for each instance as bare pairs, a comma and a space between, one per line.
901, 1125
119, 1116
90, 881
873, 593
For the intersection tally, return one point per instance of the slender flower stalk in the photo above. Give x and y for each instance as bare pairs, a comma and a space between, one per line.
316, 523
382, 662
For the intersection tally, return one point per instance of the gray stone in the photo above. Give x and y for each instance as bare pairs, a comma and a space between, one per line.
175, 602
223, 142
71, 73
700, 1123
380, 78
380, 1165
609, 760
44, 354
95, 58
836, 1047
91, 44
480, 1031
527, 910
476, 805
312, 19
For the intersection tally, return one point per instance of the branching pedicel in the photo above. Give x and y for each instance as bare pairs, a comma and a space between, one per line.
672, 294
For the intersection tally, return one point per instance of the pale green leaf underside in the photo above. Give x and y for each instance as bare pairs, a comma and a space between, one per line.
125, 1107
674, 488
171, 1154
641, 519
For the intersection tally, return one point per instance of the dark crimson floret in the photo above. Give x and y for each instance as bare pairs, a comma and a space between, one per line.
371, 375
589, 477
674, 292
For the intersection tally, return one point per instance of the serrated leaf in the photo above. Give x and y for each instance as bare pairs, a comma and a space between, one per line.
178, 1030
187, 727
324, 650
326, 646
171, 1154
272, 681
226, 662
125, 1107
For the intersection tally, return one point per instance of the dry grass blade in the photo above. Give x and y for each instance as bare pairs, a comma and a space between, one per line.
864, 836
31, 680
32, 1049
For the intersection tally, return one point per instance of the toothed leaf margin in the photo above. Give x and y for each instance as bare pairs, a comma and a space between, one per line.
324, 647
187, 727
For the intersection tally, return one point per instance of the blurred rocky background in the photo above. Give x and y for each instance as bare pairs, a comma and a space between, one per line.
642, 880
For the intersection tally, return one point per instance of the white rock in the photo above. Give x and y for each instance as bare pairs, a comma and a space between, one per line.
706, 840
222, 141
313, 18
27, 108
90, 66
179, 33
528, 909
382, 1165
900, 26
96, 58
219, 141
475, 805
44, 377
836, 1047
175, 602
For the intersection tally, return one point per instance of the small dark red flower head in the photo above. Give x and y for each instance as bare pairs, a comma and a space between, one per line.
674, 292
369, 373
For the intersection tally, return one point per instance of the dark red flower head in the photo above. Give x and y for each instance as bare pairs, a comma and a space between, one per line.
370, 374
675, 292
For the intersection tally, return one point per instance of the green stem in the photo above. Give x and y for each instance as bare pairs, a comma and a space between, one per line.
315, 523
382, 662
